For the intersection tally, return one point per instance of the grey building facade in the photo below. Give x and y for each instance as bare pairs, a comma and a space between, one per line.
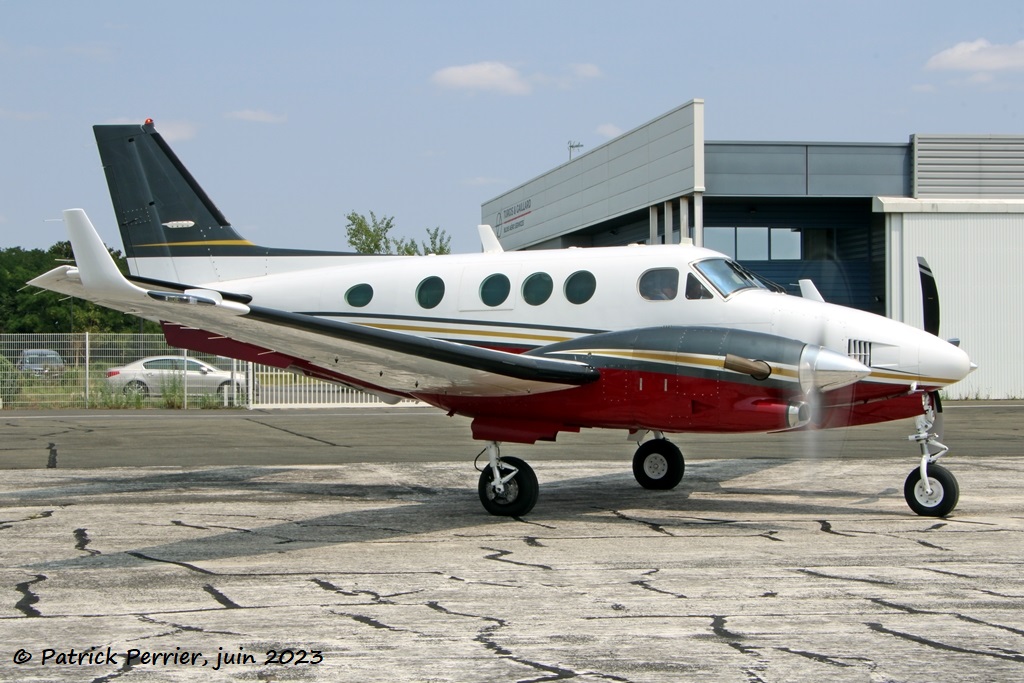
846, 215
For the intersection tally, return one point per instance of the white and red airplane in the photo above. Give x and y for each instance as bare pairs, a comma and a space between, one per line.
651, 339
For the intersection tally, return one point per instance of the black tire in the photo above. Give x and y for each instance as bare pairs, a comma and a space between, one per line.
945, 492
225, 390
521, 491
658, 464
136, 388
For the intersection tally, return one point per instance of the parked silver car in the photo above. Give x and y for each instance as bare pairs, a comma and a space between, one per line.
157, 375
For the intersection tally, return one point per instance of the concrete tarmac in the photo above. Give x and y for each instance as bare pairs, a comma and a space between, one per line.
349, 545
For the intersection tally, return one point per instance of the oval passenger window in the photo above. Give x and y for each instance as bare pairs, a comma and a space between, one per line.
537, 288
430, 292
359, 295
580, 286
495, 289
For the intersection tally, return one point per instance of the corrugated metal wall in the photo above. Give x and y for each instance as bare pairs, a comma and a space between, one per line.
981, 290
661, 160
968, 165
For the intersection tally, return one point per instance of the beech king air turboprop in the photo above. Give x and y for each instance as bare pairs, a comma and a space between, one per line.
650, 339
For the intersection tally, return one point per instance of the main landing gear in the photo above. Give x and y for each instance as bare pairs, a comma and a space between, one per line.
931, 490
658, 463
508, 486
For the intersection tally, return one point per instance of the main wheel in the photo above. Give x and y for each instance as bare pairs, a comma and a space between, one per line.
520, 493
943, 498
136, 388
224, 390
658, 464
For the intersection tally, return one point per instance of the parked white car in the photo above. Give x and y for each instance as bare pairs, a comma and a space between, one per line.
156, 375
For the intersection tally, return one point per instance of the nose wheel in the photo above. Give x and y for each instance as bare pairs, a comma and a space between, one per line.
934, 497
931, 490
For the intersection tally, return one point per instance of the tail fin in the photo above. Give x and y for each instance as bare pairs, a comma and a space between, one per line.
167, 220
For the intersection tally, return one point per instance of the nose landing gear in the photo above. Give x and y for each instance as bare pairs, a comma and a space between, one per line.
931, 490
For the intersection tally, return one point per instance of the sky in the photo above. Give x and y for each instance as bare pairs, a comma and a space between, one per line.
291, 115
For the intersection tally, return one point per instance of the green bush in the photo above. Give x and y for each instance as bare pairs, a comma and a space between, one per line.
10, 387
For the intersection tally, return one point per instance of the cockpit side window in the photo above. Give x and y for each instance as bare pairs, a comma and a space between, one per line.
659, 284
695, 289
727, 276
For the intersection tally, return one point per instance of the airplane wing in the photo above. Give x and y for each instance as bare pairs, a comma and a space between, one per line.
379, 360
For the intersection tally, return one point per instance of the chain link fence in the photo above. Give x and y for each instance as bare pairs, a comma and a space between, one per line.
53, 371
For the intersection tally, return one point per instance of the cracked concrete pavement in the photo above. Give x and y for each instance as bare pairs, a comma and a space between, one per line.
350, 546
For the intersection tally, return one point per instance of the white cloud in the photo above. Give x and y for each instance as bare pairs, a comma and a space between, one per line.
609, 130
979, 55
585, 71
171, 131
494, 76
508, 80
256, 116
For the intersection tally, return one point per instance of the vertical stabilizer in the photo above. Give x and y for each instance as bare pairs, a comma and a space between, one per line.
170, 228
161, 210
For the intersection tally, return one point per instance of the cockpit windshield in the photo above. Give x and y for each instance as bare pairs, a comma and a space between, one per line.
728, 276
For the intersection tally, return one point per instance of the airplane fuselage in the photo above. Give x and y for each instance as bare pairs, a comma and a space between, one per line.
524, 301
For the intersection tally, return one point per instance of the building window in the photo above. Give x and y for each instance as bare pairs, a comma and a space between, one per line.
785, 244
659, 284
495, 289
721, 240
756, 244
537, 288
751, 244
359, 295
580, 286
430, 292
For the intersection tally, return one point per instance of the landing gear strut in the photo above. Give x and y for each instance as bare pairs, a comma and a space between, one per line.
931, 490
508, 486
658, 464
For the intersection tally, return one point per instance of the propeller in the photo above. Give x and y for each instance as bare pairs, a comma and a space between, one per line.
931, 317
929, 297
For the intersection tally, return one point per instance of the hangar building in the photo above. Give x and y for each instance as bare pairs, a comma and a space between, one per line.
853, 217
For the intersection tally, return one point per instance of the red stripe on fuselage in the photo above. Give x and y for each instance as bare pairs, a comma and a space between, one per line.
624, 399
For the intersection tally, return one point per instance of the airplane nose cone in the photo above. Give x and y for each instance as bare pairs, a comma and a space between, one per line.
942, 363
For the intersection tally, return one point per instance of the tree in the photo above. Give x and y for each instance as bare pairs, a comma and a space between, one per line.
440, 242
30, 310
371, 237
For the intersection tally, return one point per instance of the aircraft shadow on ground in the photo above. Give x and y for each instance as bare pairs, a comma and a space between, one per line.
426, 509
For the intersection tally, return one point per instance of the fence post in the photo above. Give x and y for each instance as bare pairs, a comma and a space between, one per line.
184, 380
250, 382
87, 358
